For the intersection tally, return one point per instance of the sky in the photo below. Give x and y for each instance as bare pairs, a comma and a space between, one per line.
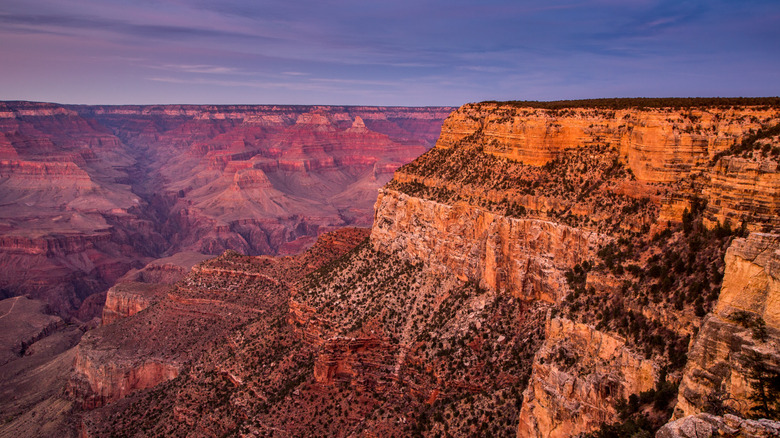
401, 52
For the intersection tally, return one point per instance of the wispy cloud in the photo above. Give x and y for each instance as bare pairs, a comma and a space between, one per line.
79, 23
200, 68
405, 52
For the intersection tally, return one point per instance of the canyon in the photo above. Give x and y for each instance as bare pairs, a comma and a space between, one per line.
91, 192
549, 269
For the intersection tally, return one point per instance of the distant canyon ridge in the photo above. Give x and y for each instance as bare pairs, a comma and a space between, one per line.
88, 193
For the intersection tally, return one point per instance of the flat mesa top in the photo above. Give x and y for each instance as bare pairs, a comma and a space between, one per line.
643, 102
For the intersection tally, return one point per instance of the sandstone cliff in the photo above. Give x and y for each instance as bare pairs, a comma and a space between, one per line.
128, 298
657, 144
524, 257
139, 289
579, 374
745, 191
608, 181
739, 335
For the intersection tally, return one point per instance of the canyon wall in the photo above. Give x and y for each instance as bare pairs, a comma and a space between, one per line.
128, 298
579, 375
191, 323
524, 257
740, 337
91, 192
512, 197
105, 381
139, 289
744, 190
658, 144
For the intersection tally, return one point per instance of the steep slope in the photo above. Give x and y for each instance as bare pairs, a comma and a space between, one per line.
70, 224
619, 174
34, 367
734, 365
339, 353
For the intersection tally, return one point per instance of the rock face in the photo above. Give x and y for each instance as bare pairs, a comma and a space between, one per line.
579, 374
354, 360
707, 425
746, 191
128, 298
528, 200
525, 257
91, 192
139, 289
741, 331
110, 378
658, 144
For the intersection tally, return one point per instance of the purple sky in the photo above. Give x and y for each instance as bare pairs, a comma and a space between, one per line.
421, 52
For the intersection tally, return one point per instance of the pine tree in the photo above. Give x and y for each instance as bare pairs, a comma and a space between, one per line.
765, 382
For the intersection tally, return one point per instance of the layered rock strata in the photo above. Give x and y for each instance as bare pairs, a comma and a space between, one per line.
91, 192
708, 425
745, 191
579, 374
505, 289
504, 175
137, 349
139, 289
658, 144
524, 257
742, 333
128, 298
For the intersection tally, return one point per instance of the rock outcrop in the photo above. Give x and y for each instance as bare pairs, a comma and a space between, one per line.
139, 289
128, 298
358, 361
108, 378
745, 191
657, 144
707, 425
739, 335
578, 376
524, 257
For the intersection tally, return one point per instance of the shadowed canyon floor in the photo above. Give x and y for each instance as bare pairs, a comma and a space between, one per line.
593, 268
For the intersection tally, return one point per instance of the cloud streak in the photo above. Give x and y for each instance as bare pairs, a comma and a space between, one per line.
423, 51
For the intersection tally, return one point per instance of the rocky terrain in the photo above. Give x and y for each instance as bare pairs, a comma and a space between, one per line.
593, 268
36, 359
90, 192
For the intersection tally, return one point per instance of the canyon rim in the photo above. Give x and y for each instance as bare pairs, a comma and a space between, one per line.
547, 269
